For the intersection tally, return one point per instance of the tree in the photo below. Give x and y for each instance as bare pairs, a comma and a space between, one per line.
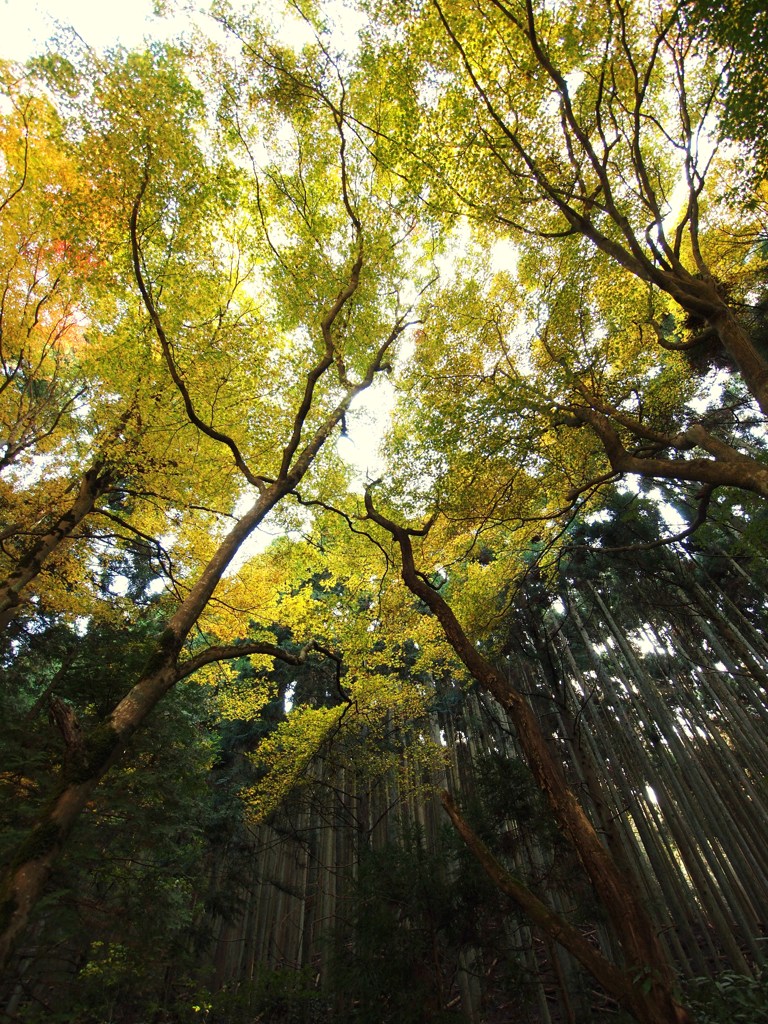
253, 234
645, 959
144, 840
82, 400
739, 33
585, 137
39, 329
43, 350
317, 322
533, 393
615, 716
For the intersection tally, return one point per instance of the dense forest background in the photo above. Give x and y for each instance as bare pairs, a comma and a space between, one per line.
469, 726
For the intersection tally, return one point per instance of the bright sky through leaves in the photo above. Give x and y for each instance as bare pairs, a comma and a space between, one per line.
24, 26
24, 30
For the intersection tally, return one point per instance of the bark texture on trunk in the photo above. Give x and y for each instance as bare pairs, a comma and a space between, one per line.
646, 962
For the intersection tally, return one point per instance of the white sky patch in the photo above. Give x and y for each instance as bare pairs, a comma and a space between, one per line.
677, 202
460, 241
504, 256
344, 23
651, 795
119, 585
289, 28
348, 21
644, 643
367, 424
671, 517
261, 538
714, 396
25, 26
288, 698
574, 79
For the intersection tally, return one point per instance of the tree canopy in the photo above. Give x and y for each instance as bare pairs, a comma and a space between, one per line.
531, 233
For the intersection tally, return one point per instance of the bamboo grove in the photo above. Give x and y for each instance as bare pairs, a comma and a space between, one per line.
478, 734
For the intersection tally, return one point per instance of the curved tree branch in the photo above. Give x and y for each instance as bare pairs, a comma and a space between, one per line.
631, 923
157, 323
243, 650
727, 468
555, 927
701, 517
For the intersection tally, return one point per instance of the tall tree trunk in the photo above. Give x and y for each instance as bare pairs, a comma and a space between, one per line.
681, 781
32, 862
748, 359
615, 981
646, 961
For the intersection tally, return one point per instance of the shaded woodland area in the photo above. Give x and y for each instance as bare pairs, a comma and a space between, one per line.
471, 728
